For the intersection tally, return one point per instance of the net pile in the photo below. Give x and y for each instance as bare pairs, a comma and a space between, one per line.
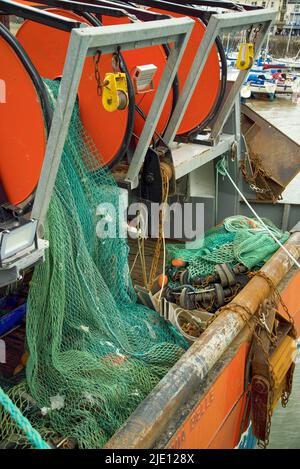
94, 353
239, 240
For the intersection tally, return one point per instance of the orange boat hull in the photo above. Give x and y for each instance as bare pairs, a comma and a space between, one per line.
216, 421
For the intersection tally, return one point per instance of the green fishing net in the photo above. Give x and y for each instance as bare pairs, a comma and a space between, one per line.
95, 353
238, 240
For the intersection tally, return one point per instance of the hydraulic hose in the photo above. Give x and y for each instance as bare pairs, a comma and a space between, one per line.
32, 72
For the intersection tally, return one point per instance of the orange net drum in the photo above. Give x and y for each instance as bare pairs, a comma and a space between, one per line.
24, 121
47, 48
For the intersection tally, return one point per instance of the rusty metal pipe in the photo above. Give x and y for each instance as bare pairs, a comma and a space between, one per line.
153, 415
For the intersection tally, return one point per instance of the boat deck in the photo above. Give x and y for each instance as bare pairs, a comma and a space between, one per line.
136, 273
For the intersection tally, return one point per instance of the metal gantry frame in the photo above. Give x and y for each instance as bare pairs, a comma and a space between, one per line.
217, 25
86, 42
189, 157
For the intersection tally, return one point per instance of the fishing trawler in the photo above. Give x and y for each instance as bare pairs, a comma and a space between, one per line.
109, 110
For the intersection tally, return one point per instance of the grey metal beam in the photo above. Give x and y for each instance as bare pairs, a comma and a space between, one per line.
142, 35
236, 87
156, 109
83, 42
60, 124
189, 156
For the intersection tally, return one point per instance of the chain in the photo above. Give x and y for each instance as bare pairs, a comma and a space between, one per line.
277, 299
243, 311
258, 173
97, 58
260, 323
252, 33
259, 190
115, 66
116, 62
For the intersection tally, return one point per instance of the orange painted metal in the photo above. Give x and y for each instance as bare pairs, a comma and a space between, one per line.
215, 422
207, 418
206, 91
32, 4
291, 297
47, 48
22, 129
229, 434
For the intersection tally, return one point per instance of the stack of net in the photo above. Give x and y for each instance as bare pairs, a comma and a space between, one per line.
94, 353
239, 240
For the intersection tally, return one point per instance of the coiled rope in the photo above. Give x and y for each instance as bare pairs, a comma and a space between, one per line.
221, 169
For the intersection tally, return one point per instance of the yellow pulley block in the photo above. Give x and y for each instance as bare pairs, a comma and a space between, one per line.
115, 92
245, 58
282, 359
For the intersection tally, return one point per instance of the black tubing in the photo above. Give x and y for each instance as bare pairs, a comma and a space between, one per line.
35, 78
221, 94
38, 15
32, 72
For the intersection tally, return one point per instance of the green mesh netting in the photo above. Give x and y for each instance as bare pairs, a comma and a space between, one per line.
16, 430
95, 353
239, 240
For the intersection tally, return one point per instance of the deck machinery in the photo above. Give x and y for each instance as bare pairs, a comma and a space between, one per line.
174, 109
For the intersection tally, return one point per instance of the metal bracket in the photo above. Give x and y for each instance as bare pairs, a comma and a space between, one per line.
217, 25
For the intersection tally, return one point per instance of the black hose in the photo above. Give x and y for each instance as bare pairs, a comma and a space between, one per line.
32, 72
175, 84
35, 78
222, 91
221, 95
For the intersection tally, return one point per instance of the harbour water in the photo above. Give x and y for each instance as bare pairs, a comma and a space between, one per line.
285, 430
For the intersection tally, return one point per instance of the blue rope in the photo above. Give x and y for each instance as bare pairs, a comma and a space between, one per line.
23, 423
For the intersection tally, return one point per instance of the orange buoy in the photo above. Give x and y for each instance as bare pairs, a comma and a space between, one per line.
23, 119
178, 263
47, 48
162, 280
